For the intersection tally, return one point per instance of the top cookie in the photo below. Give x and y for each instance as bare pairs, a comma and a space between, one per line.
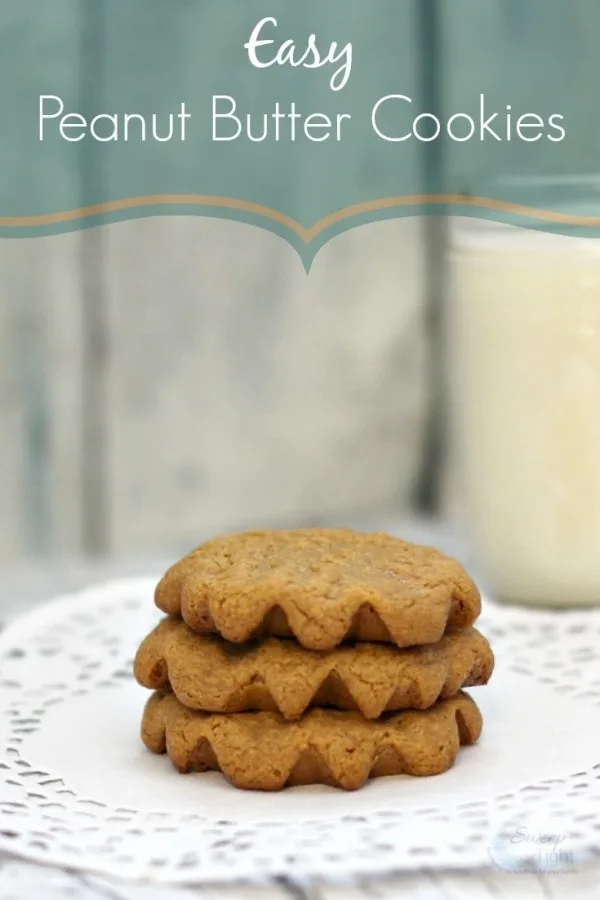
321, 586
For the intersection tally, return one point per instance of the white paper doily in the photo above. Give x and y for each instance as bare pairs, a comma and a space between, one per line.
78, 789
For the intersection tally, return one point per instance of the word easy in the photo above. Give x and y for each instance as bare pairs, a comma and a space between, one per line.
288, 54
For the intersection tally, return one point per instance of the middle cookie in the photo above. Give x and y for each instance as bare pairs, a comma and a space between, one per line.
208, 673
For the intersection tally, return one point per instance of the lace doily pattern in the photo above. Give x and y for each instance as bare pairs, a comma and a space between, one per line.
79, 649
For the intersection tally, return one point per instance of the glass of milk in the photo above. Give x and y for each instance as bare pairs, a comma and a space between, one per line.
524, 345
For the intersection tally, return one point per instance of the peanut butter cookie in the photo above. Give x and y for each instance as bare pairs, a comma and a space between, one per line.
261, 751
321, 586
208, 673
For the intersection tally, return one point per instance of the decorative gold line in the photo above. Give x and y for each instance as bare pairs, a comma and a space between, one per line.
305, 234
110, 206
458, 200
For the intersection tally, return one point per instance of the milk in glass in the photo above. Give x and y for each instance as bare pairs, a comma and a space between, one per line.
524, 343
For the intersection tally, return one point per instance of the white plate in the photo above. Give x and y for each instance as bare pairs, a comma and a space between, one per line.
77, 788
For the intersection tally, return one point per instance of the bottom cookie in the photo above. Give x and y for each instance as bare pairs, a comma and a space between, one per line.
261, 751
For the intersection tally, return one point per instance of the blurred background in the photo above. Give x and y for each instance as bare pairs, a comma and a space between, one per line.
164, 379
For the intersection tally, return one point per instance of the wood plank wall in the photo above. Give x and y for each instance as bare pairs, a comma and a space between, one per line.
163, 378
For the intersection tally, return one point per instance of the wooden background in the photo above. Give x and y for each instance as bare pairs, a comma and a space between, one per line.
163, 378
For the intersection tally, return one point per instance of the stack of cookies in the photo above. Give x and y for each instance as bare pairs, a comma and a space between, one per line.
317, 656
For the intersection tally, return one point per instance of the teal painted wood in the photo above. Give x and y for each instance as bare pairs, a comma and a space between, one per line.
46, 40
507, 49
536, 55
41, 52
238, 395
154, 60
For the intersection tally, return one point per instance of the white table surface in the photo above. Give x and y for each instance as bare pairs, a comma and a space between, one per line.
23, 588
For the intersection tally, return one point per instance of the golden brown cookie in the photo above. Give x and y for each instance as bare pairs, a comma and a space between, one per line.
321, 586
207, 673
261, 751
